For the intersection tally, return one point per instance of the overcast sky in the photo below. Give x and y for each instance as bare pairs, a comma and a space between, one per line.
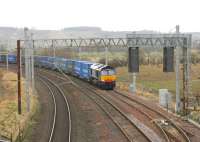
116, 15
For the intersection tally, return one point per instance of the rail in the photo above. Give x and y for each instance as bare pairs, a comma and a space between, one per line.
67, 104
181, 131
55, 112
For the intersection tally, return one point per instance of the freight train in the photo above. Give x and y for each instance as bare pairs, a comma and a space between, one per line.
101, 75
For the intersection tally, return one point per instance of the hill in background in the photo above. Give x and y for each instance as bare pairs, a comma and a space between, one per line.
7, 33
11, 33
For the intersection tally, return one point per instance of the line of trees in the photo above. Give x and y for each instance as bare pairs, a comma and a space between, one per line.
150, 58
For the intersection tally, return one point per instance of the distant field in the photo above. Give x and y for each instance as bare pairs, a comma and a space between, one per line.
154, 78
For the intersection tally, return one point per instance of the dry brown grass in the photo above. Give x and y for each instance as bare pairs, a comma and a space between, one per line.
10, 121
153, 77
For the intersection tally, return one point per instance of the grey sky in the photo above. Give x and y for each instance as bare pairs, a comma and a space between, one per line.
159, 15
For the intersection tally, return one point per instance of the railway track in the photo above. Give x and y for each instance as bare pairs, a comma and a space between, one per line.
170, 130
61, 125
151, 134
55, 108
130, 130
173, 131
126, 124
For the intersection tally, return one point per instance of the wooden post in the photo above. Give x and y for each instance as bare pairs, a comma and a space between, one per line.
19, 77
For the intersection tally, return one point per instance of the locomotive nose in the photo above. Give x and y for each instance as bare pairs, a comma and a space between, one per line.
108, 78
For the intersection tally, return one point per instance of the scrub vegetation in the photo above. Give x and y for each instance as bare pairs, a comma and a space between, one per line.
12, 124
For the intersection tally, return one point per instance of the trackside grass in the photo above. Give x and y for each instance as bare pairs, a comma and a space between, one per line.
10, 122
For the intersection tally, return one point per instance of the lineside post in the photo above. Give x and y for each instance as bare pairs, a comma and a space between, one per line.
19, 77
178, 105
134, 84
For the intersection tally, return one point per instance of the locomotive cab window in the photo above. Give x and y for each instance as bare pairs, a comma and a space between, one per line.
111, 72
107, 72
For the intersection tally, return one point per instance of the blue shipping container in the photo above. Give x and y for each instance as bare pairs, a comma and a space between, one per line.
77, 68
85, 69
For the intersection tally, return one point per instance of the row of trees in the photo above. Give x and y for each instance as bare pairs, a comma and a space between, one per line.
149, 58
